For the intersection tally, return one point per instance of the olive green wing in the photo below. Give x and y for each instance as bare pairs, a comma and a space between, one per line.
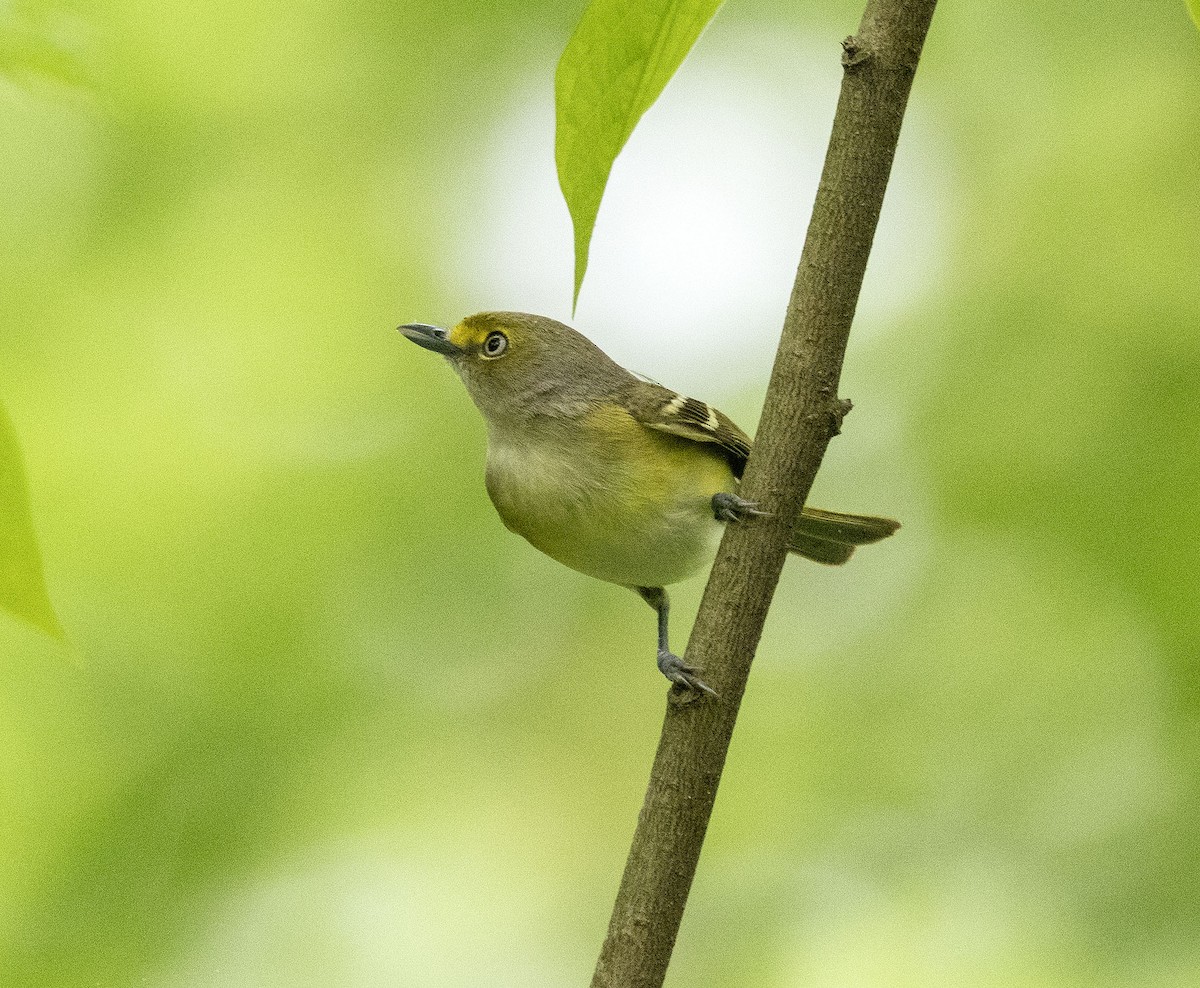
668, 411
823, 536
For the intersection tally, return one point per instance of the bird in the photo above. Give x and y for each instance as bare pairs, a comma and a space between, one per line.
609, 473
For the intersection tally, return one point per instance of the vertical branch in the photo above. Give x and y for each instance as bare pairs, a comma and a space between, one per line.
801, 414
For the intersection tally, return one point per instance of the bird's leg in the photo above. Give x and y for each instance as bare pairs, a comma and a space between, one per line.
670, 664
730, 507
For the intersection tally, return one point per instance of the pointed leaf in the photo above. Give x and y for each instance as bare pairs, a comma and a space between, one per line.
614, 67
22, 587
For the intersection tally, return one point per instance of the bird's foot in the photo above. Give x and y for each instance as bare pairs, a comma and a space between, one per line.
730, 507
671, 666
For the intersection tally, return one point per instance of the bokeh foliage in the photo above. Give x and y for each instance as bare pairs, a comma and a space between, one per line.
333, 725
22, 585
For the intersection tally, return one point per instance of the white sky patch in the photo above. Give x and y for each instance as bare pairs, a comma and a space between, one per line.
701, 227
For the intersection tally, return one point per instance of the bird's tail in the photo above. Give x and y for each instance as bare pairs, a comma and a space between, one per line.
830, 536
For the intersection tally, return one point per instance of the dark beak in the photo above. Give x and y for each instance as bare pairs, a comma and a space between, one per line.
431, 338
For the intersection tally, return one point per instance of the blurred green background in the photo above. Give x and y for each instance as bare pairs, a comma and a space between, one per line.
325, 722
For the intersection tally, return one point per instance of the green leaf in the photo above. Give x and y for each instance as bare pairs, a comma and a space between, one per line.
22, 587
617, 62
1194, 7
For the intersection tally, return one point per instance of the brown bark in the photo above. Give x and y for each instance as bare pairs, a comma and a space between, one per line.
801, 414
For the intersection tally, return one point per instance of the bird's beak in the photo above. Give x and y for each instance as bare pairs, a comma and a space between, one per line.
431, 338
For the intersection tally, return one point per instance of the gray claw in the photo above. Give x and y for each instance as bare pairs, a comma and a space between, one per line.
671, 666
731, 508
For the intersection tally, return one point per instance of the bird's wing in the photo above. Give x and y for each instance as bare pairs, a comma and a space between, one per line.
661, 408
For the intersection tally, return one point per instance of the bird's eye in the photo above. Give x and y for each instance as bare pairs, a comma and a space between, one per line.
495, 344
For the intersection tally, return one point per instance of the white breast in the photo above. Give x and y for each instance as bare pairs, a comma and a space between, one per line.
586, 508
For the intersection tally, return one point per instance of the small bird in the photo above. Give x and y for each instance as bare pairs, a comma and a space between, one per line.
609, 473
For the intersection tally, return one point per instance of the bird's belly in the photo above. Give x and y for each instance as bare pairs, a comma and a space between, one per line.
647, 527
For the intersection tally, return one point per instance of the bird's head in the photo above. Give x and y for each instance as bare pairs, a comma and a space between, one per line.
517, 367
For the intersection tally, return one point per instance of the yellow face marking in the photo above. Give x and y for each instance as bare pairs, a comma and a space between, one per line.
467, 337
470, 333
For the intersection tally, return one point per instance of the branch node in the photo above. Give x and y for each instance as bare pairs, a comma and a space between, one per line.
840, 409
852, 54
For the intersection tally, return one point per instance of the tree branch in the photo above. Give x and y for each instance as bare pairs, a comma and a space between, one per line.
801, 414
